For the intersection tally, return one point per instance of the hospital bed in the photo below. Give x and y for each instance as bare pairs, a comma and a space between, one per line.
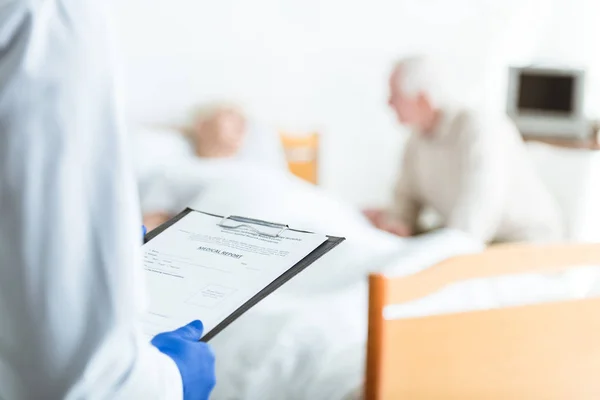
307, 340
545, 350
289, 345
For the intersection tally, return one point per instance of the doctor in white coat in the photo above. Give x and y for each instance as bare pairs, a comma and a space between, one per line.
71, 289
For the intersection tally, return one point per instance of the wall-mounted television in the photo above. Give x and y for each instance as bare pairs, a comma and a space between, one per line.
547, 102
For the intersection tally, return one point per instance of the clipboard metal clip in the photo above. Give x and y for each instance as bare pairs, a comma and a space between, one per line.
243, 222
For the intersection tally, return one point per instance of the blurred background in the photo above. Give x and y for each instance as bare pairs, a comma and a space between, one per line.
324, 116
322, 65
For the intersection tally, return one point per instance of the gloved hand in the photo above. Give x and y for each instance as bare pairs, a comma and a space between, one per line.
194, 359
144, 231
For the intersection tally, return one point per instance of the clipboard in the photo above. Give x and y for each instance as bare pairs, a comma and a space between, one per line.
245, 222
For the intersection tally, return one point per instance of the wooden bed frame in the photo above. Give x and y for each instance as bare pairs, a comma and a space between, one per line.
544, 351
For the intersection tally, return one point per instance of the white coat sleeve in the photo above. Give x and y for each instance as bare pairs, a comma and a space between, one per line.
70, 274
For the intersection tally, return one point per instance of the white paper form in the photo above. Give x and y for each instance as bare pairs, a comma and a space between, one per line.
197, 269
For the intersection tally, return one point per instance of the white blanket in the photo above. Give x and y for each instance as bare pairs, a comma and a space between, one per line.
310, 344
306, 341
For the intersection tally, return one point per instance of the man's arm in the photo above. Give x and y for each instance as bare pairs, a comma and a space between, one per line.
406, 206
483, 181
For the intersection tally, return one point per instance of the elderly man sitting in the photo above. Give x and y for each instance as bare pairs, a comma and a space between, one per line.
471, 168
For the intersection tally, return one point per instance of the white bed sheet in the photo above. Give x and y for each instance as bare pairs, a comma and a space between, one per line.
306, 341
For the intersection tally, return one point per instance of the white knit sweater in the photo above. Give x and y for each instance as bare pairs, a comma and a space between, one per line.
475, 172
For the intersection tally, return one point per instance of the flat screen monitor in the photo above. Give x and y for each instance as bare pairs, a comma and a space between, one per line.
546, 93
546, 101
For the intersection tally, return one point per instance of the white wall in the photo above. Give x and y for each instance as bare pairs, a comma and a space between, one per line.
322, 64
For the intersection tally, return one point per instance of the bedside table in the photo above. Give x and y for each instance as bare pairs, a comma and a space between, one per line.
581, 144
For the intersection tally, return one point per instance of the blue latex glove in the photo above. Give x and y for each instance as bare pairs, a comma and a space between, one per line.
194, 359
144, 231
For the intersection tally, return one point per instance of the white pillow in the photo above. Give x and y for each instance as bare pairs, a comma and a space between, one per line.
168, 172
154, 149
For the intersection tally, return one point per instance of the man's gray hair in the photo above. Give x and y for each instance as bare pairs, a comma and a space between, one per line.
421, 75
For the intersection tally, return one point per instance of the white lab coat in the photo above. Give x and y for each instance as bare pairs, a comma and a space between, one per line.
70, 276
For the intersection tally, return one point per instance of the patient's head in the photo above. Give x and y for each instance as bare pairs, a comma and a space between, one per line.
415, 93
218, 131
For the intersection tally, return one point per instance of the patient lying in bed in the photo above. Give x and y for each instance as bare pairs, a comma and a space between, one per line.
217, 132
221, 133
306, 340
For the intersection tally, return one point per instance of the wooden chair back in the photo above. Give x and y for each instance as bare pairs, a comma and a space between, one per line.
302, 154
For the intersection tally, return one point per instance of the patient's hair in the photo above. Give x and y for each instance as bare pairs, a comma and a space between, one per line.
421, 75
